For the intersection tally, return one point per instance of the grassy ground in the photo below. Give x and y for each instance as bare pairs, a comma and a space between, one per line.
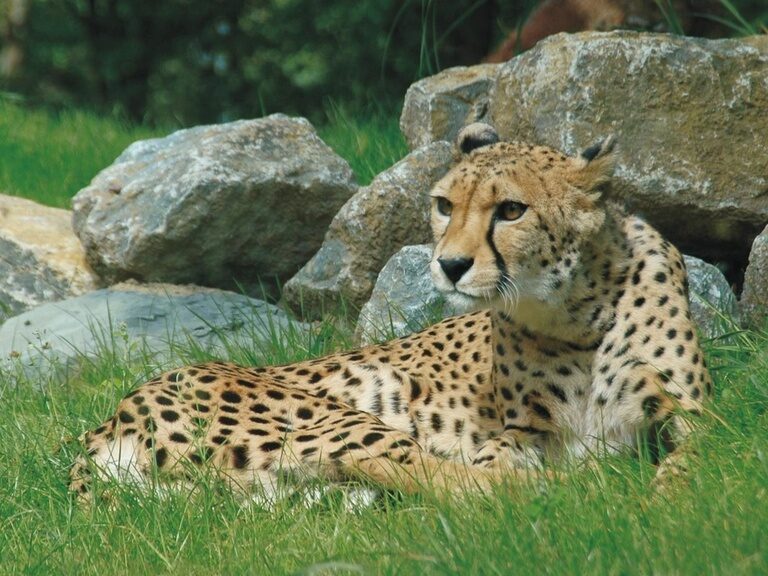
48, 156
601, 521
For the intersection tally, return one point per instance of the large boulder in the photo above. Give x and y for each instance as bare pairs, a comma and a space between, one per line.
754, 297
42, 259
438, 106
226, 205
689, 114
150, 323
405, 298
376, 222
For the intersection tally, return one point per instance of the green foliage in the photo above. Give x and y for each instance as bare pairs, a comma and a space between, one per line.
184, 62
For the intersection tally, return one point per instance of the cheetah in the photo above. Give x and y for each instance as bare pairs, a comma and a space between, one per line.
579, 341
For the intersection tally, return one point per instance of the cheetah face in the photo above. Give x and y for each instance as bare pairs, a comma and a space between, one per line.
509, 220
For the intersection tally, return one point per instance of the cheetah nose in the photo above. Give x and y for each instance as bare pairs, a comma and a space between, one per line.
455, 268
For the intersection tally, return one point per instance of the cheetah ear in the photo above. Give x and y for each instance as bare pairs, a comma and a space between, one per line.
475, 136
595, 164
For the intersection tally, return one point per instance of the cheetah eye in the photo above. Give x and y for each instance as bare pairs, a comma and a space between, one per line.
444, 206
511, 210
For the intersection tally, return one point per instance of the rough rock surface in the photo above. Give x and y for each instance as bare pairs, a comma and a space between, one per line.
41, 259
404, 299
145, 322
754, 298
376, 222
689, 115
437, 107
713, 304
222, 205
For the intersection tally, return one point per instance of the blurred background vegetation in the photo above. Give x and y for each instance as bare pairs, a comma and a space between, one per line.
184, 62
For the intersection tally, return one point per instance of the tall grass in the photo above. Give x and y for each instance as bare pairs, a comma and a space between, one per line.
49, 156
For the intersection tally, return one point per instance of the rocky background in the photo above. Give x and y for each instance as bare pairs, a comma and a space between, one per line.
245, 208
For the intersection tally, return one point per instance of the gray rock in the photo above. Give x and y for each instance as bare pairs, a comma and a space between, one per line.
754, 298
226, 205
689, 115
374, 224
42, 259
714, 307
404, 299
437, 107
147, 323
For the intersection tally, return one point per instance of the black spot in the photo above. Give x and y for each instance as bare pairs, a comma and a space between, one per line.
161, 455
125, 417
558, 392
231, 397
207, 379
541, 411
564, 371
178, 437
270, 446
163, 401
371, 438
227, 421
240, 457
437, 422
304, 413
651, 406
275, 394
202, 394
259, 408
306, 438
602, 400
169, 415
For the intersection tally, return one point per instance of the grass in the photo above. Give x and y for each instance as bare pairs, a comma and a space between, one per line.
47, 156
604, 520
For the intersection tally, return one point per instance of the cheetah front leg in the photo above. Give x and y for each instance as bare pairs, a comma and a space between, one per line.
643, 401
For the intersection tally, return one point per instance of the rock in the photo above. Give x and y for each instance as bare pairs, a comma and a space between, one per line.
148, 323
754, 297
404, 299
229, 205
689, 115
437, 107
714, 307
42, 259
374, 224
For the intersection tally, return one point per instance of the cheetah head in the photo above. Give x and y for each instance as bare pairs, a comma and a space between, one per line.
510, 219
